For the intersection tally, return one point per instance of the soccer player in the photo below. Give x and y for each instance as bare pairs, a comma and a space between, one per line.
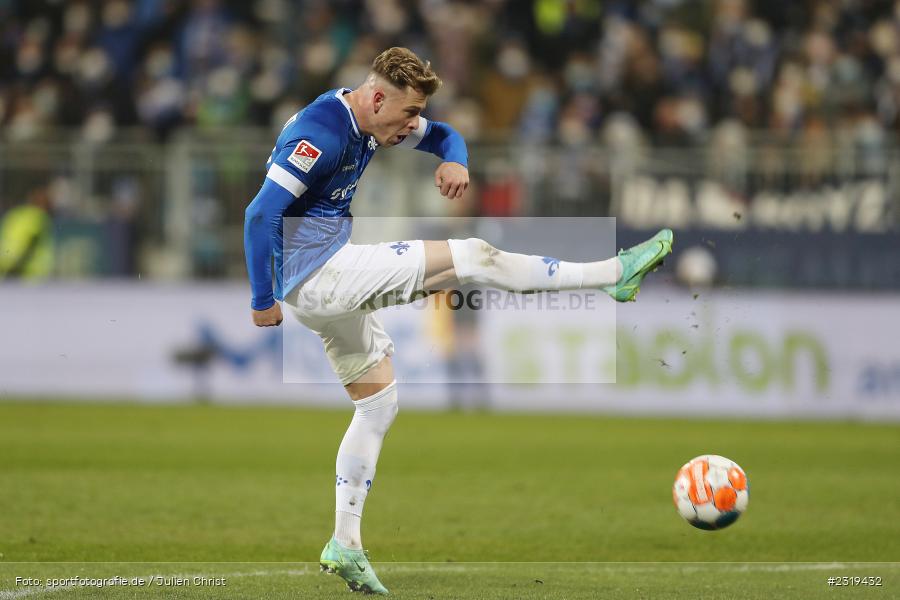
333, 286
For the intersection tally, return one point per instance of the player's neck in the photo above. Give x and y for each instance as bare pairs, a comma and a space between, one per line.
354, 101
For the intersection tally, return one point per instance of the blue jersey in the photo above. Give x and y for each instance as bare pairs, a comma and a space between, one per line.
319, 157
312, 175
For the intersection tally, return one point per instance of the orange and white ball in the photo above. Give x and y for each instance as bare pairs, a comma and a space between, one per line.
711, 492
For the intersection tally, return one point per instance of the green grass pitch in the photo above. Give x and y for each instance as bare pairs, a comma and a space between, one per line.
464, 506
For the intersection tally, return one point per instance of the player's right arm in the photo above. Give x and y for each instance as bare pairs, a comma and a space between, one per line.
261, 220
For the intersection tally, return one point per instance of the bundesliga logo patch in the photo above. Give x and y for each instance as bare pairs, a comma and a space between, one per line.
304, 156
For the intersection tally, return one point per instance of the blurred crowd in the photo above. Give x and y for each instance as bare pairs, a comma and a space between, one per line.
777, 96
670, 72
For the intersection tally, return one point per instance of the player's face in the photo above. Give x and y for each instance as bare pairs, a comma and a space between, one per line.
396, 114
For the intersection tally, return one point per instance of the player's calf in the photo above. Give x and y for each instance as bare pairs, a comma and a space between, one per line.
477, 261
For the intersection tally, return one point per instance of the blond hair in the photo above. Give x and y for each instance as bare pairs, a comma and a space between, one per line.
402, 68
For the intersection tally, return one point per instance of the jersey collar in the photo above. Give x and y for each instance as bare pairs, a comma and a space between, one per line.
339, 94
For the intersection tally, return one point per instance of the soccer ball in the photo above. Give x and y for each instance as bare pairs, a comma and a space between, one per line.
711, 492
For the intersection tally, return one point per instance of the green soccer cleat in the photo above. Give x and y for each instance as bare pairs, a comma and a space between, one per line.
352, 566
637, 261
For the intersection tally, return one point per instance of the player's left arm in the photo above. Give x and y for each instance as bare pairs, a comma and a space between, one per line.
452, 176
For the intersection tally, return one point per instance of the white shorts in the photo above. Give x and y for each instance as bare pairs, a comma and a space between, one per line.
339, 299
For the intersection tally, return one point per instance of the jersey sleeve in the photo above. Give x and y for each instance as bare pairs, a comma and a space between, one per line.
308, 157
261, 219
439, 139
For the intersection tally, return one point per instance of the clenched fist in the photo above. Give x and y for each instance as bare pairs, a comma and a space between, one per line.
452, 178
270, 317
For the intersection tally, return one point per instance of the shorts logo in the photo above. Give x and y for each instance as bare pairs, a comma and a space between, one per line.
553, 265
400, 247
304, 156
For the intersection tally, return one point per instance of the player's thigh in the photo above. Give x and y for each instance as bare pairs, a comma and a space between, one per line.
439, 271
365, 277
354, 344
371, 382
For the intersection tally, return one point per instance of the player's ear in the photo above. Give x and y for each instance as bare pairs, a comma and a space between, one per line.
378, 100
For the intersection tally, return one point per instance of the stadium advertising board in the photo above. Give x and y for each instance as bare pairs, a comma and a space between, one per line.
861, 206
754, 354
155, 342
719, 353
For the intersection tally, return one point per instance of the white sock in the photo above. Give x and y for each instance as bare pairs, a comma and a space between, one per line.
356, 461
476, 261
602, 273
347, 530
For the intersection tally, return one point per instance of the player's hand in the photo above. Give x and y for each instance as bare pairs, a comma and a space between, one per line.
270, 317
452, 178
